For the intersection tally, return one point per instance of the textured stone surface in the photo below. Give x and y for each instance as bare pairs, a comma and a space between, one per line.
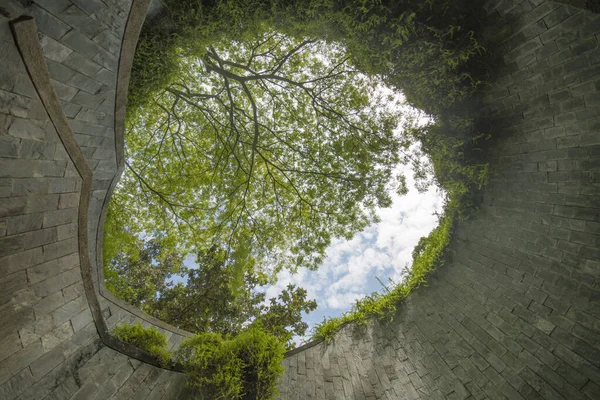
48, 339
514, 315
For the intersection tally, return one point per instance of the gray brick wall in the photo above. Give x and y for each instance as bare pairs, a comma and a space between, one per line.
516, 314
49, 344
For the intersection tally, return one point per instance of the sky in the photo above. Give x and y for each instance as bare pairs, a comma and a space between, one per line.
383, 251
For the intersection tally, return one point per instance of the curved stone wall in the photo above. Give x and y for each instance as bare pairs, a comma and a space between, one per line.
63, 84
515, 315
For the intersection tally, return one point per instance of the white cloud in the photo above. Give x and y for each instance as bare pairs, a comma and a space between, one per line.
340, 301
382, 250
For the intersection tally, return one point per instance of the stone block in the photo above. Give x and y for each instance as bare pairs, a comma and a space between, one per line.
88, 100
54, 50
94, 117
20, 261
24, 223
40, 203
81, 320
115, 21
64, 391
62, 185
9, 344
81, 21
107, 77
43, 271
36, 150
63, 91
108, 41
14, 104
6, 185
17, 384
75, 290
57, 336
107, 107
86, 128
78, 42
31, 168
66, 231
9, 147
86, 391
71, 110
71, 309
12, 206
82, 64
24, 86
107, 60
49, 303
84, 83
104, 154
12, 244
60, 217
48, 24
19, 360
54, 6
68, 200
59, 249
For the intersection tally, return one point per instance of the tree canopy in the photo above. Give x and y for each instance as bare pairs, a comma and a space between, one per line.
267, 148
259, 128
207, 297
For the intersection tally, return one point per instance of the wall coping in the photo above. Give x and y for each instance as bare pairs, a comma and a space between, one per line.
25, 33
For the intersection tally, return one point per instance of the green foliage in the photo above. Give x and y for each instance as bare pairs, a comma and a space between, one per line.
245, 367
212, 298
256, 188
283, 316
252, 150
147, 339
135, 269
428, 50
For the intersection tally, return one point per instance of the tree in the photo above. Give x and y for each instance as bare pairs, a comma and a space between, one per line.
211, 300
283, 316
267, 148
138, 274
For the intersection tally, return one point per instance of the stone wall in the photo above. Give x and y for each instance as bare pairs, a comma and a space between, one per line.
514, 315
52, 345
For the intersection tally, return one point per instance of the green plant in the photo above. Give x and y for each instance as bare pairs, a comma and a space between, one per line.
147, 339
244, 367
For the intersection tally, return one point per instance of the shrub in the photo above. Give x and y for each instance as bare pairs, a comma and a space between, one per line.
245, 367
147, 339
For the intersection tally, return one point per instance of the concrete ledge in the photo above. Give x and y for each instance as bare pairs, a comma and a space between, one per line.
25, 33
